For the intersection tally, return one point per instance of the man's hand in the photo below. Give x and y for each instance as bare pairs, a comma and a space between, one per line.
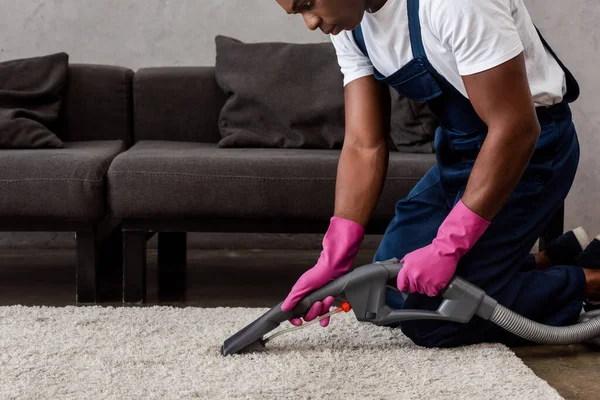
502, 98
430, 269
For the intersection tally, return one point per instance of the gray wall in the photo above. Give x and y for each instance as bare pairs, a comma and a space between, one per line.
571, 26
141, 33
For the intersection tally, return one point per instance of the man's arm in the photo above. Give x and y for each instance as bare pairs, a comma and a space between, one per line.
502, 98
364, 158
361, 172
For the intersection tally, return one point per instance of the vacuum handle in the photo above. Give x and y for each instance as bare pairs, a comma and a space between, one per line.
462, 300
366, 286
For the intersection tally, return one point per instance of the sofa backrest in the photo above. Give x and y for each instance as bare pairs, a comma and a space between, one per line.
177, 104
98, 104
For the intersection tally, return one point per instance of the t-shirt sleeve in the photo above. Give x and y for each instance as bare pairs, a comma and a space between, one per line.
353, 63
481, 34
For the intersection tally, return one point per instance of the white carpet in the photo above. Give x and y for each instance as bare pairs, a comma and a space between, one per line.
169, 353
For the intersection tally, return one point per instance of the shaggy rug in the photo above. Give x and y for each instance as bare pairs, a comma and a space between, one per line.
174, 353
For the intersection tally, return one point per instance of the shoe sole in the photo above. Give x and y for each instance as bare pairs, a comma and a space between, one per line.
582, 237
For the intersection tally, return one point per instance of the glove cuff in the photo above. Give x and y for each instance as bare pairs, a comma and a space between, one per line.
341, 244
460, 231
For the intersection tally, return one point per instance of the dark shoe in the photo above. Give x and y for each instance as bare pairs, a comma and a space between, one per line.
568, 248
590, 257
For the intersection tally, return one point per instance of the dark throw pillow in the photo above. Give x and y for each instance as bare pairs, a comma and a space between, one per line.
280, 95
288, 95
31, 92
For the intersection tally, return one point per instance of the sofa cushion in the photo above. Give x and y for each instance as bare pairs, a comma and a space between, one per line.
177, 104
31, 94
288, 95
283, 95
56, 183
98, 104
194, 180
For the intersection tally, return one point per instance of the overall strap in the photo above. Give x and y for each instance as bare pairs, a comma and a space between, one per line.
573, 89
414, 27
360, 40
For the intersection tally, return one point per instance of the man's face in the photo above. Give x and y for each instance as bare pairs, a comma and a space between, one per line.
331, 16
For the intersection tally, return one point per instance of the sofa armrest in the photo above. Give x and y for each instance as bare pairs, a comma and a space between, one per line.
177, 104
98, 104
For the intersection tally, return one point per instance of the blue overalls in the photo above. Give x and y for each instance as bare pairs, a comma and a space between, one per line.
500, 262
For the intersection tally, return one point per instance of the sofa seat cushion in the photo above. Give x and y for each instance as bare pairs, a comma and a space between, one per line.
160, 179
57, 183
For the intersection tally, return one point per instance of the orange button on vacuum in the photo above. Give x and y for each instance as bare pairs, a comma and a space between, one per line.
346, 306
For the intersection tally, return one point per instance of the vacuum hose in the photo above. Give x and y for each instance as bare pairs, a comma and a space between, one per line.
544, 334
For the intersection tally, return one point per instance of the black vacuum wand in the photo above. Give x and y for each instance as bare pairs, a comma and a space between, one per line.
365, 289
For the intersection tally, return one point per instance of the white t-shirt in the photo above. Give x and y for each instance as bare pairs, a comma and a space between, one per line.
461, 37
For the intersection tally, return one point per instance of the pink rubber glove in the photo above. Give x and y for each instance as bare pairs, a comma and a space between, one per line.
429, 270
340, 247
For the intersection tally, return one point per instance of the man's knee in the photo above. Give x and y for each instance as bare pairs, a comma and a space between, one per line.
437, 334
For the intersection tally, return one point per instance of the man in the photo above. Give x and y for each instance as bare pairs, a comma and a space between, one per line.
507, 155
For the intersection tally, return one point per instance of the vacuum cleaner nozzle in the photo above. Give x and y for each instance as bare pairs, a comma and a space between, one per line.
253, 347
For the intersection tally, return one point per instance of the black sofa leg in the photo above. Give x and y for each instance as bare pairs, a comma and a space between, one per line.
554, 229
87, 262
172, 260
134, 266
110, 268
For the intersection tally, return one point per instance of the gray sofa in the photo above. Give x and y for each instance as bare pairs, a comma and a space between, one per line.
64, 190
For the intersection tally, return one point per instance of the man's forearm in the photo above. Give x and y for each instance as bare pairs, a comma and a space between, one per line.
499, 167
360, 178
